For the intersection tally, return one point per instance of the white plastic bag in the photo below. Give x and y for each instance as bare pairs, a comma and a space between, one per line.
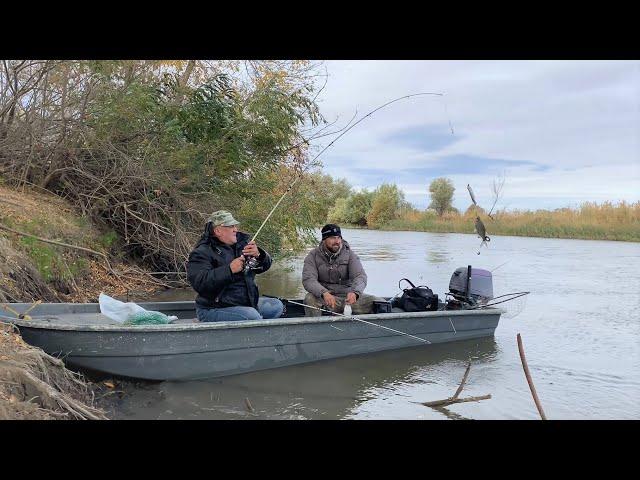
121, 311
117, 310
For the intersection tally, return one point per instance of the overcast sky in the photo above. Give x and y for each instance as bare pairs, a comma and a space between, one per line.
561, 132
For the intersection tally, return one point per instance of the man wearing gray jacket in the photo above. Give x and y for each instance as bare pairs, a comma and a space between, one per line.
334, 277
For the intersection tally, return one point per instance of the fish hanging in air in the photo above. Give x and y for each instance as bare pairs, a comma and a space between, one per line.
482, 233
473, 197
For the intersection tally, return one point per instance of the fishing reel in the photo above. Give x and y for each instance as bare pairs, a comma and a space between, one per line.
251, 263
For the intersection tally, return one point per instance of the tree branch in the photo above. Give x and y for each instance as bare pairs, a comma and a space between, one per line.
529, 380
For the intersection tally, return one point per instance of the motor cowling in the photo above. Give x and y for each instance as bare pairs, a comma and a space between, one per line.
479, 286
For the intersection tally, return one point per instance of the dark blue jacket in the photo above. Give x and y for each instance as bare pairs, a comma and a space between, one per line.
209, 273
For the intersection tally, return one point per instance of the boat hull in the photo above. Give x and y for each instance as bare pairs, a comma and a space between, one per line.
190, 351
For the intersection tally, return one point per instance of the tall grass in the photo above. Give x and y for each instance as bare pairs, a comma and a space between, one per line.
591, 221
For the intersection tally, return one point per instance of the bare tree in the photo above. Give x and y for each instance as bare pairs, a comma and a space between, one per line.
498, 185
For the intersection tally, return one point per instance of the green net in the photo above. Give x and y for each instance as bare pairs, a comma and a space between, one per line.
148, 318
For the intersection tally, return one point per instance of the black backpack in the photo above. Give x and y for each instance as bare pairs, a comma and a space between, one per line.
416, 299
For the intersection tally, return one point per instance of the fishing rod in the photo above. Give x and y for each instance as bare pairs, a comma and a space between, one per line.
252, 262
299, 176
359, 320
491, 302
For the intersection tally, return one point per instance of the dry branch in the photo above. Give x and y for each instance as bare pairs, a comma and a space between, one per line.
34, 384
47, 392
529, 380
11, 203
66, 245
464, 379
449, 401
454, 398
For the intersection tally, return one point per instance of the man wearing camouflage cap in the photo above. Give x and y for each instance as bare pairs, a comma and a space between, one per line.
216, 270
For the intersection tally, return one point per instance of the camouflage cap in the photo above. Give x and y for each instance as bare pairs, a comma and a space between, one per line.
222, 217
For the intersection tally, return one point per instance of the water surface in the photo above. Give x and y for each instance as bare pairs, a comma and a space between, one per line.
580, 327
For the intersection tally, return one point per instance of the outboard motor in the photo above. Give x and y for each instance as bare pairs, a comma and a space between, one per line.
470, 286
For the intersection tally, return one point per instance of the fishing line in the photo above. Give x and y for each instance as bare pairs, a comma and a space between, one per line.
359, 320
499, 266
299, 176
446, 113
431, 368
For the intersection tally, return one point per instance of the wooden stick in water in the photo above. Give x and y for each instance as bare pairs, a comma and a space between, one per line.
455, 399
464, 379
449, 401
528, 375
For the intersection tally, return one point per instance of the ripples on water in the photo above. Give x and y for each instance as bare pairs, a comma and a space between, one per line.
580, 328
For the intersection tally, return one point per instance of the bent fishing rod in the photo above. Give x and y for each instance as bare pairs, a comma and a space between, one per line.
299, 176
359, 320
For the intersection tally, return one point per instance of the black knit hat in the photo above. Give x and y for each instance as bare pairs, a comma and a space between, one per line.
331, 230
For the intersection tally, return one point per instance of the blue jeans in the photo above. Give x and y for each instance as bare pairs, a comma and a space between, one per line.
267, 308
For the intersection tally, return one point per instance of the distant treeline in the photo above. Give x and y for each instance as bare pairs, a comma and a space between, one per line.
385, 209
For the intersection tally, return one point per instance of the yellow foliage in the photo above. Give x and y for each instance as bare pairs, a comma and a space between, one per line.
606, 221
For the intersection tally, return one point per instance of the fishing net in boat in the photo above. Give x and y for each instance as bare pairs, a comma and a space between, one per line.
131, 313
148, 318
511, 303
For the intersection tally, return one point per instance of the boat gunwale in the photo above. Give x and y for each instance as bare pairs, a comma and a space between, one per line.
196, 326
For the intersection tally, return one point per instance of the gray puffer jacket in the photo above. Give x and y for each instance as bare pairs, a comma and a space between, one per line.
337, 273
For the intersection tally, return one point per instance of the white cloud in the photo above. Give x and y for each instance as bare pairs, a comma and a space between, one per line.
579, 118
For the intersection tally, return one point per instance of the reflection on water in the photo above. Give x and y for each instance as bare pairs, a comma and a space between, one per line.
380, 253
580, 328
328, 389
283, 280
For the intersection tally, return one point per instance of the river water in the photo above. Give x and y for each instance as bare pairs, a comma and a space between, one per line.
580, 327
